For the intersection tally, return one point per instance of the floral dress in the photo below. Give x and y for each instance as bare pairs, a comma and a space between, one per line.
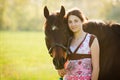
80, 69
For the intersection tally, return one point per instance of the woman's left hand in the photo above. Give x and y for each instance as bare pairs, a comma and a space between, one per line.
61, 72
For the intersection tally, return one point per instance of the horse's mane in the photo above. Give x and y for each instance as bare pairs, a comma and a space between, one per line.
111, 24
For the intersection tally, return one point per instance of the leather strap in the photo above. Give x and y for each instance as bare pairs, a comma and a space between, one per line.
80, 44
77, 46
78, 56
91, 40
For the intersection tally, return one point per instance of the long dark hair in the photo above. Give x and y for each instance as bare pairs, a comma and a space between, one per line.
77, 13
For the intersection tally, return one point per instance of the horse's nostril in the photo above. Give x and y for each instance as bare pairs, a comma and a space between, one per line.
59, 63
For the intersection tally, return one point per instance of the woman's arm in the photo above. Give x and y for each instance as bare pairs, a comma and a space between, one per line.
95, 59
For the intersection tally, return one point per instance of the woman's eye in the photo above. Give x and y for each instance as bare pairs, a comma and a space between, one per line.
76, 20
69, 22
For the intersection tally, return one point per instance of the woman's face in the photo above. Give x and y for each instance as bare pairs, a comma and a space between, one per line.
74, 23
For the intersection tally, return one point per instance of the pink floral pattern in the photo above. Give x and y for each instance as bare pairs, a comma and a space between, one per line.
80, 69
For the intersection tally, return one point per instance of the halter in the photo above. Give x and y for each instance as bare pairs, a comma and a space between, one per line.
59, 45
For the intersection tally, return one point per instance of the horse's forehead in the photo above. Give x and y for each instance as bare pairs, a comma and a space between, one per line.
54, 17
54, 22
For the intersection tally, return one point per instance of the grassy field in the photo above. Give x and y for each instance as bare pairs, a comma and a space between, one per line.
23, 56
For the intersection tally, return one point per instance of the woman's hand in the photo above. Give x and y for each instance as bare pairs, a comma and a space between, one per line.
61, 72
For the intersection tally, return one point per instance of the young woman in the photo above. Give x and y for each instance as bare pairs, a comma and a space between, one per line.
83, 59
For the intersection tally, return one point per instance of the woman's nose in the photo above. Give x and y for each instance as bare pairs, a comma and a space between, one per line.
73, 24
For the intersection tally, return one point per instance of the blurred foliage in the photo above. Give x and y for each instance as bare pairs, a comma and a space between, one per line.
28, 15
114, 12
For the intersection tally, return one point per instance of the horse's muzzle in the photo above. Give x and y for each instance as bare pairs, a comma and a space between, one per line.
59, 63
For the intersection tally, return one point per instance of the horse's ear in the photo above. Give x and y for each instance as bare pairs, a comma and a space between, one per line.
46, 12
62, 11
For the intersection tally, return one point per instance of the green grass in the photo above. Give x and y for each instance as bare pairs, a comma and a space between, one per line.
23, 56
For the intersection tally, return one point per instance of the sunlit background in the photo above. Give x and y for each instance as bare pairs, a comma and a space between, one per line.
23, 53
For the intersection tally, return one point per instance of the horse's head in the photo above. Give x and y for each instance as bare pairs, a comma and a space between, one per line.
56, 36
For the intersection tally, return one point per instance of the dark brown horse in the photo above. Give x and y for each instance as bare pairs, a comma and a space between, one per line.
56, 36
108, 35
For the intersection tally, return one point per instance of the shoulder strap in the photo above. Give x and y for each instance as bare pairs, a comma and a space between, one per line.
79, 45
91, 40
68, 44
